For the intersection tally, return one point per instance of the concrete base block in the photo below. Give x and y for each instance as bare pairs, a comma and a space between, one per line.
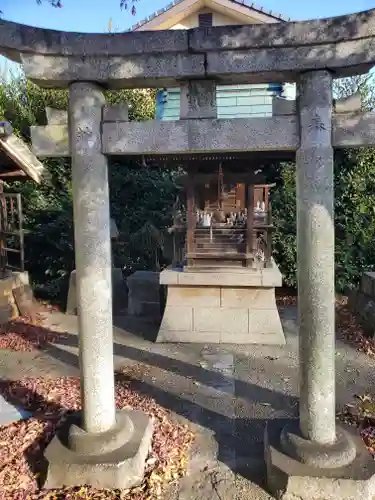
115, 459
232, 308
188, 336
289, 479
119, 293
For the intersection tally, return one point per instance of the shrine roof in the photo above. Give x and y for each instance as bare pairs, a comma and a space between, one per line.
16, 158
251, 6
237, 161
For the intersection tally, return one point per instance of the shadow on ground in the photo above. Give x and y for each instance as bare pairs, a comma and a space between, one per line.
239, 440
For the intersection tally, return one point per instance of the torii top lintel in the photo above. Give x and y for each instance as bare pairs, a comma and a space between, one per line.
229, 54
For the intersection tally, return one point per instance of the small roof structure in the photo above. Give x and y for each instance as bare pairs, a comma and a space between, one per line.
179, 9
247, 160
17, 161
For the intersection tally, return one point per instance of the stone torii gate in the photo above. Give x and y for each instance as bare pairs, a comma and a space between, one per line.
309, 459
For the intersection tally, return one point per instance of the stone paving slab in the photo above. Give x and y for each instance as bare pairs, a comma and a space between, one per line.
10, 413
14, 365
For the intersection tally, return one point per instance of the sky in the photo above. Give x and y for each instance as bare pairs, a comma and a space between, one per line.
94, 15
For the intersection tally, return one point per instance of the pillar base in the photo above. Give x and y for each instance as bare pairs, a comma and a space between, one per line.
339, 454
288, 478
114, 459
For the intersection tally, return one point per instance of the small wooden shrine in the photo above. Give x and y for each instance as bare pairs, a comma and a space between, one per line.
221, 284
226, 220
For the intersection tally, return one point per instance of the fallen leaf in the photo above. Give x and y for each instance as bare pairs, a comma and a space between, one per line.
50, 400
22, 335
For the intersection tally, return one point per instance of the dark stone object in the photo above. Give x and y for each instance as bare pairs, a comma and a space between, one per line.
363, 306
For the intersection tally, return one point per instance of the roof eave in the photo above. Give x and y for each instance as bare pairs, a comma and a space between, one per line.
21, 155
253, 7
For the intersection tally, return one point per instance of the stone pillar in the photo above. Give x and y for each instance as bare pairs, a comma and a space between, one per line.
93, 256
314, 457
198, 99
98, 446
315, 253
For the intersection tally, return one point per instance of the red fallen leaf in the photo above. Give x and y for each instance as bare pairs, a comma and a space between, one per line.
24, 442
347, 324
22, 335
349, 328
286, 300
362, 415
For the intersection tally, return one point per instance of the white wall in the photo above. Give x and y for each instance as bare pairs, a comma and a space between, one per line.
218, 19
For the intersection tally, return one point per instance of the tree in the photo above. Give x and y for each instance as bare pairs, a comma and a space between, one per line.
354, 181
54, 3
363, 84
124, 4
355, 195
141, 198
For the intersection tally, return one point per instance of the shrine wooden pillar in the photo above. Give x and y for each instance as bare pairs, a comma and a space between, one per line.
250, 225
3, 224
191, 216
268, 253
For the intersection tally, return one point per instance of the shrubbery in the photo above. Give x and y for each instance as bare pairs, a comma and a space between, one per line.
142, 198
354, 218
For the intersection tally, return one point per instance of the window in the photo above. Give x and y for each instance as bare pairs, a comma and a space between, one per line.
205, 20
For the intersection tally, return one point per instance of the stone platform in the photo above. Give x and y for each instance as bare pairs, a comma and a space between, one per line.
221, 306
112, 459
290, 479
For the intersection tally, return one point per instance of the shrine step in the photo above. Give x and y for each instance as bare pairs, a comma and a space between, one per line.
219, 251
221, 245
218, 255
222, 267
219, 230
219, 235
